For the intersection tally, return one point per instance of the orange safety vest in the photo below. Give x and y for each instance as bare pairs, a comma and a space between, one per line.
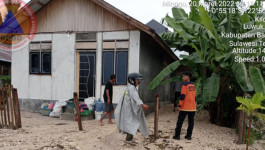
187, 98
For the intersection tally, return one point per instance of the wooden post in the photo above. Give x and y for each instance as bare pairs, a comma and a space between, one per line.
4, 104
77, 112
156, 118
1, 109
17, 109
241, 127
7, 105
11, 106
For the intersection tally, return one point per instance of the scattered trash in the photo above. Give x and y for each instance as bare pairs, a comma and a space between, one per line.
91, 102
57, 109
51, 105
44, 105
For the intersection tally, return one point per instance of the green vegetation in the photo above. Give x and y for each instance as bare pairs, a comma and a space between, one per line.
250, 106
211, 59
5, 79
254, 135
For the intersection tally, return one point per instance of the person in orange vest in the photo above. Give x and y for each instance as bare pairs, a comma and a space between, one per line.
186, 106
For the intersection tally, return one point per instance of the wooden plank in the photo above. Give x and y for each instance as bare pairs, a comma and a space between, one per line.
122, 44
1, 108
156, 136
15, 110
241, 127
4, 105
18, 116
79, 16
7, 105
11, 106
86, 45
18, 108
77, 71
77, 112
108, 45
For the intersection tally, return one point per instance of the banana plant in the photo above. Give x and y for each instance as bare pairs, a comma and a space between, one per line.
250, 106
257, 79
211, 58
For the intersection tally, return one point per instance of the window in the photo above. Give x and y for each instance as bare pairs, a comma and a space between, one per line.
40, 58
121, 67
46, 62
108, 65
92, 37
115, 61
34, 64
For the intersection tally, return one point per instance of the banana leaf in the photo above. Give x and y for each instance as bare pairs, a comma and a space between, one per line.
257, 79
208, 24
163, 74
179, 13
240, 73
173, 79
172, 23
211, 88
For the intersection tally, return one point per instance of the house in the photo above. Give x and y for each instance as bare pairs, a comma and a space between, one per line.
78, 44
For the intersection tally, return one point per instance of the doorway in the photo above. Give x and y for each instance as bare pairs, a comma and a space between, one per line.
87, 74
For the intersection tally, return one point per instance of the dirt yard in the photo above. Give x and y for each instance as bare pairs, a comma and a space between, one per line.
47, 133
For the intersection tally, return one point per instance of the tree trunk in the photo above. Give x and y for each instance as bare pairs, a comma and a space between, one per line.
212, 112
220, 101
241, 127
220, 110
249, 129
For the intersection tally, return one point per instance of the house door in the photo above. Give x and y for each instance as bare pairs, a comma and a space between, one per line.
87, 72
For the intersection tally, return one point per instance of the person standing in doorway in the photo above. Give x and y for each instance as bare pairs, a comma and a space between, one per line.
108, 94
186, 106
177, 94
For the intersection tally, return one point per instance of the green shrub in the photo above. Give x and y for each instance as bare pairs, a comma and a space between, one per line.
254, 135
5, 79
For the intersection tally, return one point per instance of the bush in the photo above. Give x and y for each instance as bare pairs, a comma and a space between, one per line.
5, 79
254, 135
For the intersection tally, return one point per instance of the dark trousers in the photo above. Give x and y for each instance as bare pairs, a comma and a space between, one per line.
177, 95
129, 137
181, 118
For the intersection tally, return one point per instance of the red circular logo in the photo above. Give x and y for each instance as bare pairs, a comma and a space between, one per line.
18, 24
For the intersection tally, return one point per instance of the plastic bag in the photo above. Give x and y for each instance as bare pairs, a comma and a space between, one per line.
91, 102
57, 109
44, 105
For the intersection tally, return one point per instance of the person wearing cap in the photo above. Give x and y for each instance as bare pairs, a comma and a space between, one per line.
129, 114
186, 106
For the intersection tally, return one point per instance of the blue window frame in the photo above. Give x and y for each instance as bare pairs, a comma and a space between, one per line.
115, 62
